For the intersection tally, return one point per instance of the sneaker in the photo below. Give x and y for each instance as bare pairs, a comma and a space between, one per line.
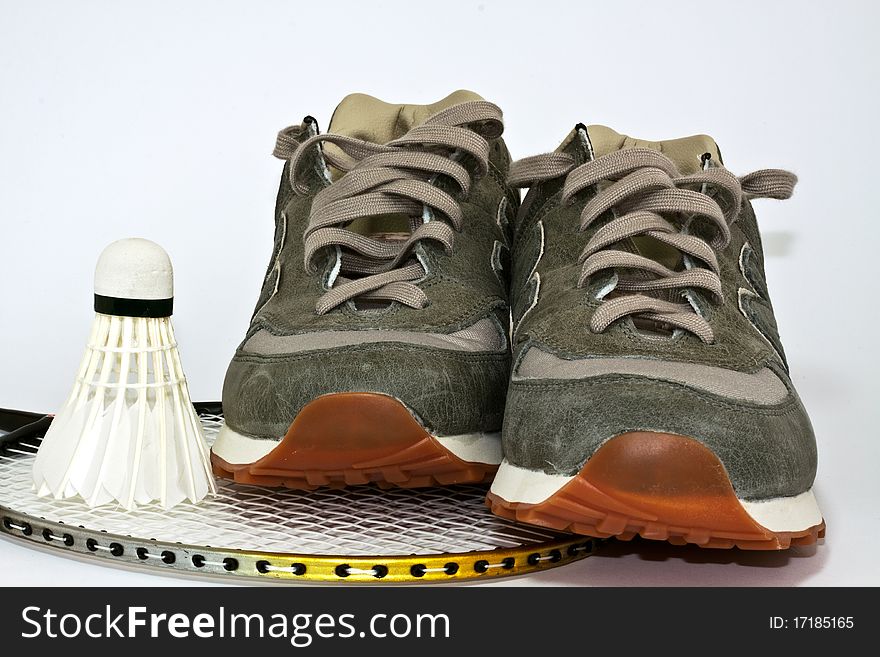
650, 393
378, 350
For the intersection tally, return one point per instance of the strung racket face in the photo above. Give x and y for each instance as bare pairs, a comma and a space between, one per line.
359, 533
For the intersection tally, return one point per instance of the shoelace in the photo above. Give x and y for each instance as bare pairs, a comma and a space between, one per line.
394, 178
644, 192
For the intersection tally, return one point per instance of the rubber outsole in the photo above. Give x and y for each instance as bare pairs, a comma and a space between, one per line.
352, 439
658, 486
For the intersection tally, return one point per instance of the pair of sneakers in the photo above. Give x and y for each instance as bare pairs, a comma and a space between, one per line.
604, 351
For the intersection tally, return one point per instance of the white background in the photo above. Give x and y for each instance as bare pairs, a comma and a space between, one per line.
157, 120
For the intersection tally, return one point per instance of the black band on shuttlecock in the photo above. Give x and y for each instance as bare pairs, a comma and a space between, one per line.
133, 307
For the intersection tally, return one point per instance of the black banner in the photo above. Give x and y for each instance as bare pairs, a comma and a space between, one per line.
428, 621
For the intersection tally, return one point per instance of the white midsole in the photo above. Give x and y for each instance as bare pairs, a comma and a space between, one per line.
475, 447
785, 514
519, 485
782, 514
236, 449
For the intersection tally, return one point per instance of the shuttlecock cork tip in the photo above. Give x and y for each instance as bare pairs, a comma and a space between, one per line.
134, 278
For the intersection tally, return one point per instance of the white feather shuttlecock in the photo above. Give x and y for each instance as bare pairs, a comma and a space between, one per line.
128, 432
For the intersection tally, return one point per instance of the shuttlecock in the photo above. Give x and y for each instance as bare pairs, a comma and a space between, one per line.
128, 432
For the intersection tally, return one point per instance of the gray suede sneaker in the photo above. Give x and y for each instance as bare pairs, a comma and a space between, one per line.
650, 394
378, 348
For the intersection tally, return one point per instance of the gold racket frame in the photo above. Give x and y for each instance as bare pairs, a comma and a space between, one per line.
119, 550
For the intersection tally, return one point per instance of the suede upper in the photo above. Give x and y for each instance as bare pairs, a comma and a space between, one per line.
448, 391
556, 425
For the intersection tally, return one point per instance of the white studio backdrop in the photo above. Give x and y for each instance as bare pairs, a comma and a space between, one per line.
157, 120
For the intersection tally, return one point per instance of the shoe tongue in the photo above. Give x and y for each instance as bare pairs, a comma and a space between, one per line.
686, 152
370, 119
